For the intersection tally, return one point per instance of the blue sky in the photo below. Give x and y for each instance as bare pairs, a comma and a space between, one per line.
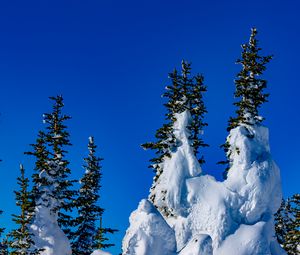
110, 60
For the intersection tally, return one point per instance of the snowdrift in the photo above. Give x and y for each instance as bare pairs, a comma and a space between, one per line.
48, 235
234, 217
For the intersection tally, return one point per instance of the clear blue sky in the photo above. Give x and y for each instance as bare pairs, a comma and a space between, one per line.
110, 60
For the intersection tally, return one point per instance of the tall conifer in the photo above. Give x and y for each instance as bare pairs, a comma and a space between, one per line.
185, 92
52, 188
57, 138
249, 89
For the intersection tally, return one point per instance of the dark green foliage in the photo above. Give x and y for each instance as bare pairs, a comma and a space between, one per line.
249, 86
87, 235
52, 168
282, 222
20, 239
184, 93
41, 153
287, 224
249, 90
101, 239
57, 138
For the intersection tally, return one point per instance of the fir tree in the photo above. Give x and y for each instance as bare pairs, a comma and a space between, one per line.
52, 188
287, 225
185, 93
87, 235
249, 90
20, 239
249, 84
57, 138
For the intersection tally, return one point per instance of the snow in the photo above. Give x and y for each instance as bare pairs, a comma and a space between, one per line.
233, 217
47, 233
199, 245
99, 252
148, 234
182, 164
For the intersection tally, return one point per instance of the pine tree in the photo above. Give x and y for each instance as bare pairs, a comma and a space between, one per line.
87, 235
20, 239
287, 225
249, 90
185, 93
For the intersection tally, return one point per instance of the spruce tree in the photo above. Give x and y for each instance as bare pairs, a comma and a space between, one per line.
20, 239
249, 90
184, 93
287, 225
87, 235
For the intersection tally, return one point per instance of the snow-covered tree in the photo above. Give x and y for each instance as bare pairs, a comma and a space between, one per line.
184, 95
88, 236
249, 89
52, 189
20, 239
57, 138
249, 84
288, 225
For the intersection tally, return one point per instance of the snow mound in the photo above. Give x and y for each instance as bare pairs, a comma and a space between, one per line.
199, 245
148, 234
170, 189
48, 235
234, 217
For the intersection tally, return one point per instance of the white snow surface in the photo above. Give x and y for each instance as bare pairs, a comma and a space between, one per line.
233, 217
47, 233
182, 165
99, 252
149, 233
